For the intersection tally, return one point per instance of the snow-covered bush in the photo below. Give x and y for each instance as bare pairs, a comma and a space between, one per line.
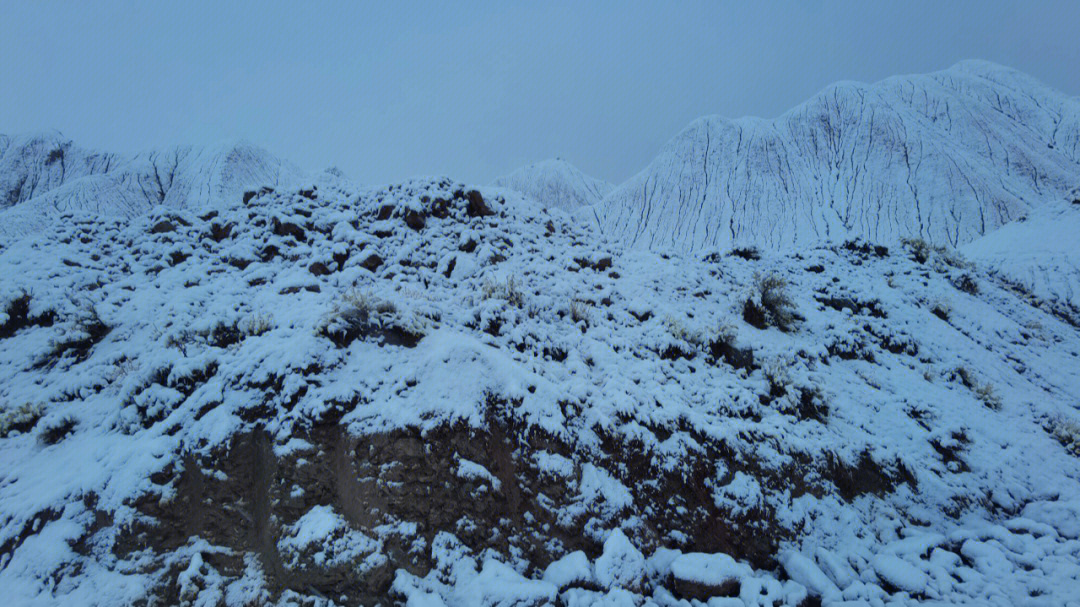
256, 324
919, 248
579, 311
57, 431
507, 290
361, 315
89, 330
988, 396
1067, 432
770, 305
693, 336
966, 283
941, 308
19, 419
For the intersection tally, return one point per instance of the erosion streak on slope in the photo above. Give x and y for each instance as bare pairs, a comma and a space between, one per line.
914, 156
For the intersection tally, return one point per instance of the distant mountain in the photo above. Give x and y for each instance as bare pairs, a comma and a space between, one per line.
44, 175
555, 183
947, 157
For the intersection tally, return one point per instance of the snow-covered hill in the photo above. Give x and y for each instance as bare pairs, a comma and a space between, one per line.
43, 175
1039, 253
946, 157
434, 395
555, 183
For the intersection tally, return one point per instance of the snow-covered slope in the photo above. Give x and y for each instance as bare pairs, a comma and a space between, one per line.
946, 157
555, 183
1040, 253
44, 175
432, 395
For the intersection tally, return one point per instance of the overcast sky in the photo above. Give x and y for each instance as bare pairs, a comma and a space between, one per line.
389, 90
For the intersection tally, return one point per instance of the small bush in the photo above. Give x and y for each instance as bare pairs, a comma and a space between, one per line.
504, 290
920, 249
222, 334
723, 347
988, 396
21, 420
984, 392
952, 257
579, 311
941, 309
967, 284
965, 376
361, 315
1066, 432
89, 331
694, 337
257, 324
771, 305
58, 431
779, 380
747, 253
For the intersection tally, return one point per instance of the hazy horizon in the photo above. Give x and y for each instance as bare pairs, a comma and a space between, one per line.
474, 92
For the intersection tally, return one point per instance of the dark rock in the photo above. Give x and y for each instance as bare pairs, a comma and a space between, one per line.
162, 227
319, 269
219, 232
698, 591
415, 220
440, 208
289, 229
477, 206
371, 262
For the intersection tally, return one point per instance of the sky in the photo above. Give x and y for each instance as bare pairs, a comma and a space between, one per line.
473, 90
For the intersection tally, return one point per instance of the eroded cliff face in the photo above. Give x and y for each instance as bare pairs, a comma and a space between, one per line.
946, 157
400, 490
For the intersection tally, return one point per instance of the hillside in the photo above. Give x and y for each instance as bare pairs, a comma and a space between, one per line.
1039, 253
556, 183
44, 175
946, 157
430, 394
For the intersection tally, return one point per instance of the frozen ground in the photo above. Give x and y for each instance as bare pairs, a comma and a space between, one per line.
433, 395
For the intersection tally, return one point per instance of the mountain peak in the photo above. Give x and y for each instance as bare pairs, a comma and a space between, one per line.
555, 183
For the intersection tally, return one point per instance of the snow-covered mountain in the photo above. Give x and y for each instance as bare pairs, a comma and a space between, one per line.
225, 382
555, 183
429, 394
43, 175
946, 157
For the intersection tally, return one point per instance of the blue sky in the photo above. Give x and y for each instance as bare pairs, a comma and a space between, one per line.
473, 90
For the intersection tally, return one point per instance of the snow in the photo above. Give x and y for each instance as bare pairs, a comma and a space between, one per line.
574, 568
216, 337
322, 536
708, 569
803, 570
621, 564
473, 470
900, 573
1039, 253
946, 156
557, 184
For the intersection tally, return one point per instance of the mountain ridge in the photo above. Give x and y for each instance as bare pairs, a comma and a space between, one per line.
804, 176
